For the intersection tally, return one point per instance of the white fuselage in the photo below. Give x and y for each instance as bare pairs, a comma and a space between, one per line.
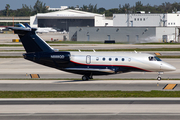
140, 61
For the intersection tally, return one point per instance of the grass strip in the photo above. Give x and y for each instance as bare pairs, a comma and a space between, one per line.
86, 94
102, 42
159, 43
111, 50
75, 42
175, 56
11, 56
142, 49
10, 45
86, 42
12, 51
128, 50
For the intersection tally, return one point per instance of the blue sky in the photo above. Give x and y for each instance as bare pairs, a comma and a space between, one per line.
107, 4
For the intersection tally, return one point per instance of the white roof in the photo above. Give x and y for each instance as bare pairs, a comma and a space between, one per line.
68, 13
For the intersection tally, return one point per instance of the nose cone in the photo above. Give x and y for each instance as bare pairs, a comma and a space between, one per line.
167, 67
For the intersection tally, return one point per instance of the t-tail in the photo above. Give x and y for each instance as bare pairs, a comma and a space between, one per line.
30, 40
38, 50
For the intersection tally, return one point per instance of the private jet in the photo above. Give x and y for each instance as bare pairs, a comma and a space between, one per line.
39, 29
87, 64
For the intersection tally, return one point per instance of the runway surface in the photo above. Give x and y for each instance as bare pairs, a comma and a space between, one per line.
93, 46
95, 85
91, 108
84, 109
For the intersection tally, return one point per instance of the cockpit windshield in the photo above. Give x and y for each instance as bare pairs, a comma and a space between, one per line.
154, 58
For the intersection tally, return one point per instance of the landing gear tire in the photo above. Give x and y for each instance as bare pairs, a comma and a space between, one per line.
85, 78
158, 78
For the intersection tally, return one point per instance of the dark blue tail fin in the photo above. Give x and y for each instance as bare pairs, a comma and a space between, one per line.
30, 40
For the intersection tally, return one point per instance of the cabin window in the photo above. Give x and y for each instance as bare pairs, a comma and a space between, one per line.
97, 59
116, 59
104, 59
158, 59
154, 58
151, 58
122, 59
110, 59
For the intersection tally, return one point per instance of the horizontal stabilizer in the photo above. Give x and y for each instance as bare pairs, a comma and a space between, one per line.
20, 30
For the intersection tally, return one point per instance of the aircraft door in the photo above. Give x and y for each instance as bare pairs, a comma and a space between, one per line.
88, 59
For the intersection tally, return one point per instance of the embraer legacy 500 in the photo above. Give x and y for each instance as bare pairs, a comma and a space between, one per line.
87, 64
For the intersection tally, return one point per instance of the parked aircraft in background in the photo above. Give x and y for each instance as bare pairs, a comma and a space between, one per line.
39, 30
87, 64
20, 25
45, 30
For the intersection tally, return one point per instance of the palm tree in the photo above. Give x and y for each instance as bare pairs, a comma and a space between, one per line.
7, 9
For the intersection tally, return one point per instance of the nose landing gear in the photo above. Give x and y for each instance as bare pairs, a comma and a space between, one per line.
159, 76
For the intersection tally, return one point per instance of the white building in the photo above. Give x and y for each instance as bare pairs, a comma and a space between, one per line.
64, 19
154, 20
173, 19
168, 24
124, 34
61, 8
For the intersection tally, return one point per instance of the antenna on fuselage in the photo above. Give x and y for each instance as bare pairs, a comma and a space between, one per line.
94, 50
79, 50
135, 51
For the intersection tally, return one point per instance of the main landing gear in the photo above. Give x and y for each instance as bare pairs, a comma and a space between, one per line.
85, 77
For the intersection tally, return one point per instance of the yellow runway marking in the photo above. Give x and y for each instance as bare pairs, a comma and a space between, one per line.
34, 76
157, 53
170, 86
15, 40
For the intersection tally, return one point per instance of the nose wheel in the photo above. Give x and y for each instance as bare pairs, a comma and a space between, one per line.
159, 76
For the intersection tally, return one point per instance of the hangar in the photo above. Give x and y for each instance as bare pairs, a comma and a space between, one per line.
133, 28
124, 34
62, 20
